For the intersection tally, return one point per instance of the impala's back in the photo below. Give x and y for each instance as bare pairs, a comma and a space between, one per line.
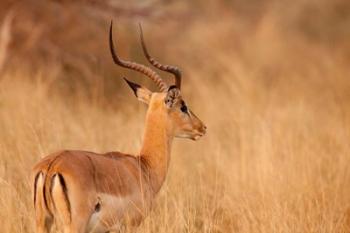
80, 185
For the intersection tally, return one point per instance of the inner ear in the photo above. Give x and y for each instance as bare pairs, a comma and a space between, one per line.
142, 93
173, 97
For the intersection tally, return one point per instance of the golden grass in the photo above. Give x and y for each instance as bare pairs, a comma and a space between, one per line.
275, 159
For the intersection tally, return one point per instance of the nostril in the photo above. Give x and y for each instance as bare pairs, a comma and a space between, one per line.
204, 127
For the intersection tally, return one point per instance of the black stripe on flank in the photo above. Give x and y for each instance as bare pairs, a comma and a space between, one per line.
44, 195
44, 188
35, 184
65, 191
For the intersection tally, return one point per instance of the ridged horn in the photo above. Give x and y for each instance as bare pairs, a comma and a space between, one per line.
135, 66
168, 68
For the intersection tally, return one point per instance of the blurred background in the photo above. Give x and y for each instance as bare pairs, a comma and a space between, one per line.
271, 80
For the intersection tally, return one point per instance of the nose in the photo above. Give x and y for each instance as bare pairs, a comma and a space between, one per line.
204, 128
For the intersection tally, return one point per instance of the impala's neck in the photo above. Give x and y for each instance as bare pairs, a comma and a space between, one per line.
157, 145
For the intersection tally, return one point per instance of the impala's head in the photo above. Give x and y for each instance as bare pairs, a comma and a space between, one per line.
168, 102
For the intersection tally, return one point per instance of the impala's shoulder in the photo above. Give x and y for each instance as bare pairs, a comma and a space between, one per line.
117, 154
117, 157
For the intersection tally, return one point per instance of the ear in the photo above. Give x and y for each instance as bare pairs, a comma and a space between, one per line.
173, 97
142, 93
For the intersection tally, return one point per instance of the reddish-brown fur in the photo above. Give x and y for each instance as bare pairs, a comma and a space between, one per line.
89, 192
84, 191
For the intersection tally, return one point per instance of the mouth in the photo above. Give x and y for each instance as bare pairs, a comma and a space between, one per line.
197, 136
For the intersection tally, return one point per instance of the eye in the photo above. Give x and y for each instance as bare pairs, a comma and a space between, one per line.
184, 108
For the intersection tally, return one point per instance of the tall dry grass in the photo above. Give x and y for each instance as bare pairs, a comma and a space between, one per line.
275, 98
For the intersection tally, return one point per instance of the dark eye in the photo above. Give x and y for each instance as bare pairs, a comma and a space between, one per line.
183, 108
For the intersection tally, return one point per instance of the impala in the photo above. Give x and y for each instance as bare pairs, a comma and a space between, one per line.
88, 192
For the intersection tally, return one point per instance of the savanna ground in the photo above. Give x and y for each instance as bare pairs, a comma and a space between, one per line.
271, 79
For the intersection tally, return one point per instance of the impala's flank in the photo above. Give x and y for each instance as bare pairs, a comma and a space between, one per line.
88, 192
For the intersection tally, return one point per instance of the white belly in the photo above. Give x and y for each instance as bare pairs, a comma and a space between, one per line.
114, 211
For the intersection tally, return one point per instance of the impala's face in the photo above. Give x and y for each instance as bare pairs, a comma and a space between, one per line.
184, 123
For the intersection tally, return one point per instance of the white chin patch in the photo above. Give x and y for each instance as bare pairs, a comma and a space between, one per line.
195, 138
